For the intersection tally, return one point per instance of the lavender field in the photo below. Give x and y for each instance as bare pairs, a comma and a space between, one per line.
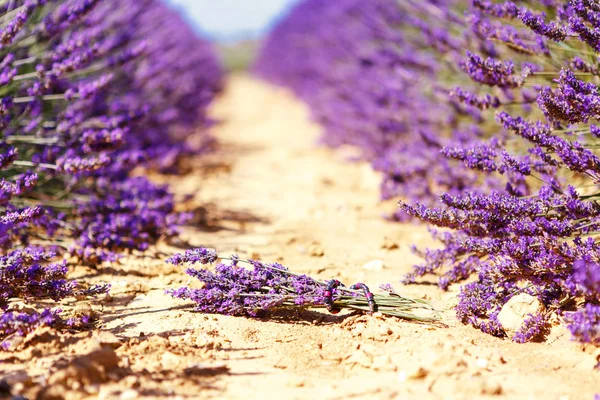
394, 199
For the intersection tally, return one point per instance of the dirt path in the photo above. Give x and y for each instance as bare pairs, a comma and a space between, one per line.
270, 193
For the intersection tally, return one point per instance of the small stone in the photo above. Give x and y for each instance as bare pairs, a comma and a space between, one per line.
83, 310
384, 330
389, 244
516, 310
170, 361
106, 338
491, 388
402, 376
417, 373
129, 394
297, 382
316, 251
199, 369
12, 342
375, 265
481, 363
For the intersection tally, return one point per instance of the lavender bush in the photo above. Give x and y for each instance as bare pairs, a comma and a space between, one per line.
500, 98
91, 90
538, 239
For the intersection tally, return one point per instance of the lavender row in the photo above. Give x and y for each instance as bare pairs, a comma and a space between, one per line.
89, 91
378, 75
481, 116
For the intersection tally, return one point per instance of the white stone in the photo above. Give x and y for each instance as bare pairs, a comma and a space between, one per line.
375, 265
516, 310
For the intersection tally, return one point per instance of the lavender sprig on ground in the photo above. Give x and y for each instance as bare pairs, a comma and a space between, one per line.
234, 290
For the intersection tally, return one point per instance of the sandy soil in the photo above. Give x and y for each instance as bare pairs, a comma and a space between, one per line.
271, 193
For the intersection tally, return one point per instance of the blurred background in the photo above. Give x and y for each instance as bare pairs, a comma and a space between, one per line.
237, 26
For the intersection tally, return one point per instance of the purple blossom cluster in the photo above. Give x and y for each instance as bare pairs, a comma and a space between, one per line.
90, 91
482, 116
233, 290
22, 323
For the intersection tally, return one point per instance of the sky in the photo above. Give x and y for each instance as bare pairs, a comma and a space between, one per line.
232, 19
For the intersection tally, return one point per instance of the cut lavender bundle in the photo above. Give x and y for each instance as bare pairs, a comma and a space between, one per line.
234, 290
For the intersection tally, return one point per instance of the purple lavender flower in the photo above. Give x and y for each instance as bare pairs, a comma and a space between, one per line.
28, 274
23, 323
533, 327
194, 256
587, 277
398, 80
483, 103
238, 291
539, 26
506, 9
584, 324
493, 72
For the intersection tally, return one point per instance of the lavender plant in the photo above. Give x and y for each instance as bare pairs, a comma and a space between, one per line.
90, 90
497, 97
539, 239
234, 290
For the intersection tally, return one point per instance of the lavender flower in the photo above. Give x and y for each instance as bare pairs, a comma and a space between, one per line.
539, 26
483, 103
584, 324
587, 276
21, 324
194, 256
493, 72
533, 327
82, 126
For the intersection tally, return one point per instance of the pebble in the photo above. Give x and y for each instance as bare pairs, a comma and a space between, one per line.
416, 373
106, 338
170, 361
481, 363
374, 265
129, 394
516, 310
316, 251
389, 244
